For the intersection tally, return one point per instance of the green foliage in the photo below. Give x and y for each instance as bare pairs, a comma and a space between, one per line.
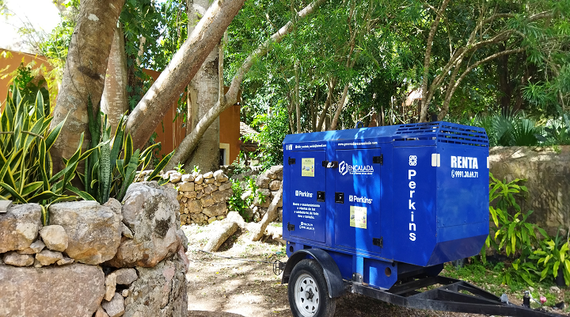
236, 203
553, 258
26, 167
180, 168
273, 129
113, 165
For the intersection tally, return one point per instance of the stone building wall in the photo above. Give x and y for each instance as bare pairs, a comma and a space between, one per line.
95, 260
203, 197
547, 171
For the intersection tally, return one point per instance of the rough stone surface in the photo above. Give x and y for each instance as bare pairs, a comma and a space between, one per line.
208, 175
175, 177
186, 186
216, 210
47, 257
151, 212
19, 226
220, 177
126, 276
199, 179
101, 312
16, 259
275, 185
225, 186
159, 291
36, 247
548, 181
115, 307
94, 230
65, 261
262, 181
187, 178
221, 196
54, 237
194, 206
126, 231
275, 172
28, 291
110, 286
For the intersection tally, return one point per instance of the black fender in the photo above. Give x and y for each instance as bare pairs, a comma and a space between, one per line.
332, 274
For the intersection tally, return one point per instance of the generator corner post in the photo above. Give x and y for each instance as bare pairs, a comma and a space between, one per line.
380, 210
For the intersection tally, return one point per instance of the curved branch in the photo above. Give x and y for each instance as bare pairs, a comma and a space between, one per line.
191, 141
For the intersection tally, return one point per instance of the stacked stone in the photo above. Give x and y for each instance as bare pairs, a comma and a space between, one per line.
202, 197
268, 184
95, 260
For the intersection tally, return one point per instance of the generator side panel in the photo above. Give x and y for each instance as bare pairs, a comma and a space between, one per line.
304, 186
462, 201
414, 203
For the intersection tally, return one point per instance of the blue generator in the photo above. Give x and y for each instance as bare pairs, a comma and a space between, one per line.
373, 206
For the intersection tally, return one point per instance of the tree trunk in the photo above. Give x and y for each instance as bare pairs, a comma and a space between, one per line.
190, 141
84, 73
339, 108
184, 65
205, 88
114, 101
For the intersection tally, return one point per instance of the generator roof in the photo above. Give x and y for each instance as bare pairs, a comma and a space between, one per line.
436, 131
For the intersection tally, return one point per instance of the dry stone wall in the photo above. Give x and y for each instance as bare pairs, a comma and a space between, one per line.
95, 260
203, 197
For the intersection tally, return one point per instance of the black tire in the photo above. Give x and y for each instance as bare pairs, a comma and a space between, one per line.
308, 292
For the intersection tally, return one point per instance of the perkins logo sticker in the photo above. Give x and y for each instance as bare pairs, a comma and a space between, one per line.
344, 168
300, 193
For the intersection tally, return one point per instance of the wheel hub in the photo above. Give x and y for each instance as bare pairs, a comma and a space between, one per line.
307, 295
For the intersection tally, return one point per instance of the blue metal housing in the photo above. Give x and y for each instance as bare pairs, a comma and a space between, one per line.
389, 201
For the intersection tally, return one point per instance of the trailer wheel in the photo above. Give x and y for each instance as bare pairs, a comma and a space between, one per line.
308, 293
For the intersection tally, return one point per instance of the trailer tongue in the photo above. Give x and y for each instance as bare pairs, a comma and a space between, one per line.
377, 211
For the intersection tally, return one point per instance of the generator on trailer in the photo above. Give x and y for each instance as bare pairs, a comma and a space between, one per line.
378, 211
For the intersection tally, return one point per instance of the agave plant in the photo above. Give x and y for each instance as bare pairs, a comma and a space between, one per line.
26, 167
112, 167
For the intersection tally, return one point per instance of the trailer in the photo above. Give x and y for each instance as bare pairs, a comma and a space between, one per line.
378, 211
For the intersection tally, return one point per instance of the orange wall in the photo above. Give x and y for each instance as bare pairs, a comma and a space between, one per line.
229, 130
11, 63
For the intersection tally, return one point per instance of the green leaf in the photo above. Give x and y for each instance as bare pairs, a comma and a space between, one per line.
160, 166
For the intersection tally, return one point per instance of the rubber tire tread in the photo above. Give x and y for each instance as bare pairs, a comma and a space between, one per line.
327, 305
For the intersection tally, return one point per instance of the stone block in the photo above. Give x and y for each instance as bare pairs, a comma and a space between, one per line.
19, 226
54, 237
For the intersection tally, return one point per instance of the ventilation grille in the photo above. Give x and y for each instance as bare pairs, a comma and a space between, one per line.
443, 132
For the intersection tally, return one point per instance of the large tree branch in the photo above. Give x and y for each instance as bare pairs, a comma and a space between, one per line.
190, 141
184, 65
453, 86
427, 58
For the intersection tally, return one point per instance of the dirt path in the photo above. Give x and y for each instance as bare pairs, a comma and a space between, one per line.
239, 281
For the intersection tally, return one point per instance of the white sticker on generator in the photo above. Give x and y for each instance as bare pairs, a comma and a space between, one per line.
358, 217
435, 160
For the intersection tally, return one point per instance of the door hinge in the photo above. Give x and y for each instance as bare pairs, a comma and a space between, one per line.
291, 161
290, 227
378, 159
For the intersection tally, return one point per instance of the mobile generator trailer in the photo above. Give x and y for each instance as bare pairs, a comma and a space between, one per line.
378, 211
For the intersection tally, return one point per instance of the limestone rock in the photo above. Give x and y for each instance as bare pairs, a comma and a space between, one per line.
194, 206
219, 209
16, 259
209, 181
210, 188
186, 186
47, 257
220, 176
199, 179
126, 276
225, 186
125, 293
275, 172
71, 290
262, 181
209, 175
175, 177
36, 247
19, 226
187, 178
222, 196
126, 231
110, 286
207, 201
115, 307
275, 185
159, 291
65, 261
101, 312
54, 237
151, 212
94, 230
4, 204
